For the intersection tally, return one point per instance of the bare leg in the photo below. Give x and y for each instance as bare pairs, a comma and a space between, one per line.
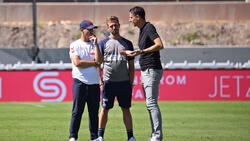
103, 118
127, 118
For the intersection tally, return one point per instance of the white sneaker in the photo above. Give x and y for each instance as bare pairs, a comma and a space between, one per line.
72, 139
132, 139
97, 139
154, 139
100, 139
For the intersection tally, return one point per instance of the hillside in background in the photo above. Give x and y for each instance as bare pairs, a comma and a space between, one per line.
61, 34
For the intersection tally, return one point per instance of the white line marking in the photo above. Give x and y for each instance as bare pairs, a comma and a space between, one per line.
34, 104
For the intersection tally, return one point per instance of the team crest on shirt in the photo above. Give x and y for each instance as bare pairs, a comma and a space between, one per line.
92, 52
72, 50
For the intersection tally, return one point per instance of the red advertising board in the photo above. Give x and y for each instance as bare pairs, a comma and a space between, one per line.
176, 85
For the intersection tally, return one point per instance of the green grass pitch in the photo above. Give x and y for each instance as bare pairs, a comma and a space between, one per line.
182, 121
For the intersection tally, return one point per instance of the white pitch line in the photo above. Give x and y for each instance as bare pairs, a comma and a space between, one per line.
34, 104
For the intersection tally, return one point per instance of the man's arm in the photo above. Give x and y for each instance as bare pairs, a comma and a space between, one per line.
131, 70
99, 60
100, 77
98, 55
83, 63
158, 45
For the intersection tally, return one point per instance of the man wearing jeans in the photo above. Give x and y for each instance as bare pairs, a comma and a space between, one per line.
151, 69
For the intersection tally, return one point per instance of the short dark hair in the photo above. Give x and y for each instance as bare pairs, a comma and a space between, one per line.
137, 10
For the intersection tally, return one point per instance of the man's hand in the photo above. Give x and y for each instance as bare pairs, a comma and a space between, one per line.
93, 39
97, 64
126, 52
131, 53
101, 84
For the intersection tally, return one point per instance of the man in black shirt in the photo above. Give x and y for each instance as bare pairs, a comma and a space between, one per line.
151, 69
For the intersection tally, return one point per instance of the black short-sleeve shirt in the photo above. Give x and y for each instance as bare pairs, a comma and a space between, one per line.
146, 39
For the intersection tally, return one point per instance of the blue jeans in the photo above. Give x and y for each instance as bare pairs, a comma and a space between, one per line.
82, 94
150, 84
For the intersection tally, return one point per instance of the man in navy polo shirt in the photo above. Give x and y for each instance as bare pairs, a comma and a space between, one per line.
85, 80
151, 69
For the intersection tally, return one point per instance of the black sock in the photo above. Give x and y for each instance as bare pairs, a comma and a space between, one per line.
130, 133
101, 132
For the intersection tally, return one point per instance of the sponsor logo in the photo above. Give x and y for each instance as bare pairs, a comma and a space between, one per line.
55, 91
166, 80
221, 84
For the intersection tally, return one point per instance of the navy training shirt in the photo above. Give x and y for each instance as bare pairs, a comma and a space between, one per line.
115, 65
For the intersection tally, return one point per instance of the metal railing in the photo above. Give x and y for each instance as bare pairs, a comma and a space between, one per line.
170, 65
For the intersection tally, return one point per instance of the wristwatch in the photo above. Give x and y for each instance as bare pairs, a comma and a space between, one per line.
142, 51
96, 45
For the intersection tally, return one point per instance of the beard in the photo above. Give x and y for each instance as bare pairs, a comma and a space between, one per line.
115, 32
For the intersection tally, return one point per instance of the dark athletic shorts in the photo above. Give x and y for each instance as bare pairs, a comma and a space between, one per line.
122, 91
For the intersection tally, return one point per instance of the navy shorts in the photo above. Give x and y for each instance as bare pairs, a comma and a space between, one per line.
121, 90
